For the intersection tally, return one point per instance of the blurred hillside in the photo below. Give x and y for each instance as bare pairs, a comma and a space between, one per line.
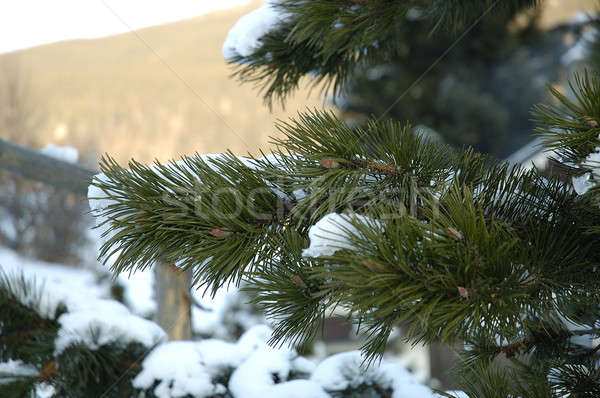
115, 95
559, 11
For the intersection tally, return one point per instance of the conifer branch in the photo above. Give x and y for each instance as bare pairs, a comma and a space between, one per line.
330, 39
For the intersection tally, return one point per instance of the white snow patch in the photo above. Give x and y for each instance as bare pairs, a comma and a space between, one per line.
60, 284
101, 322
64, 153
341, 371
456, 394
582, 183
303, 365
254, 338
331, 233
90, 319
44, 390
12, 369
404, 384
178, 368
254, 377
219, 355
347, 370
245, 36
296, 389
264, 371
192, 366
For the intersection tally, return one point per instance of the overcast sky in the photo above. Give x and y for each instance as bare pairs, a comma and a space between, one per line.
28, 23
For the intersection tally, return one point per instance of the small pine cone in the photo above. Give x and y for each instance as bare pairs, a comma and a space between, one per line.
329, 163
298, 281
219, 233
372, 265
463, 292
143, 208
454, 234
590, 122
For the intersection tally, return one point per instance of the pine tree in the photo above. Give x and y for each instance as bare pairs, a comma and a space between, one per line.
395, 228
467, 95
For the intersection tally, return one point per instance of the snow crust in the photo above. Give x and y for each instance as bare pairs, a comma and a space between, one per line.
265, 370
45, 390
245, 36
456, 394
257, 375
582, 183
64, 153
331, 233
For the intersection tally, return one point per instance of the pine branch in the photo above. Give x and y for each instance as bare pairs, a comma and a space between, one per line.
29, 333
572, 129
515, 247
329, 39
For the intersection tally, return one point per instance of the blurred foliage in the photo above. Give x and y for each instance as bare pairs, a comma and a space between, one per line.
479, 94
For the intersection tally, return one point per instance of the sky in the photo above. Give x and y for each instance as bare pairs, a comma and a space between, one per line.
28, 23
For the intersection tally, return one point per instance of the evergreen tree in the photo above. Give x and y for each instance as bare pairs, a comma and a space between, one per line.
467, 95
395, 228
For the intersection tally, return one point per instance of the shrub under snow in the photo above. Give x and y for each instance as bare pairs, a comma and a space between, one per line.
87, 319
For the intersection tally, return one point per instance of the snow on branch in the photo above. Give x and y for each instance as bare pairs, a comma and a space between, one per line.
331, 233
245, 36
13, 369
103, 322
255, 370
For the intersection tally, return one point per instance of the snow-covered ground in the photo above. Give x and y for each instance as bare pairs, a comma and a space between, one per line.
175, 369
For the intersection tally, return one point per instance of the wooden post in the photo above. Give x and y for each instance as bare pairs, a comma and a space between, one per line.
442, 356
172, 287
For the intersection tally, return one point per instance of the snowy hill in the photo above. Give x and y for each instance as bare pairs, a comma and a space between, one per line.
161, 92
